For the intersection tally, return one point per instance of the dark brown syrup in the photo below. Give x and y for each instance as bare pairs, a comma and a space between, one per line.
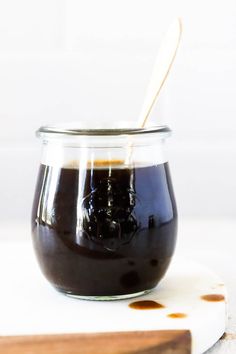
177, 315
213, 297
105, 230
146, 305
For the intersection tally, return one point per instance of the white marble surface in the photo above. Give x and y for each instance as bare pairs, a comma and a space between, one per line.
213, 243
210, 242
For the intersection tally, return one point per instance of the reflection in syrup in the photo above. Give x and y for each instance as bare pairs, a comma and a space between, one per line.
106, 214
213, 297
177, 315
146, 305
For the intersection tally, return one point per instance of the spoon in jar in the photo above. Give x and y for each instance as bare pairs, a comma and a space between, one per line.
164, 61
162, 66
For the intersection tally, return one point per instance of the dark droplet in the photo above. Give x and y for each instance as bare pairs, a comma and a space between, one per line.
146, 305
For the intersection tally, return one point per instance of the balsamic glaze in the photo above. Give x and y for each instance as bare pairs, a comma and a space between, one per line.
104, 231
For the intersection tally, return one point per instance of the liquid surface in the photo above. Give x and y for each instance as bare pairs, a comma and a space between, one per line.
213, 297
104, 231
146, 305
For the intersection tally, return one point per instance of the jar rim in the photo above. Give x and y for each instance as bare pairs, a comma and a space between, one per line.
67, 131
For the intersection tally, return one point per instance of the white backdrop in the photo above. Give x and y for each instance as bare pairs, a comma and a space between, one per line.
63, 60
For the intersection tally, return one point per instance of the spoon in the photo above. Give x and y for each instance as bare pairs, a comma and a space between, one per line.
164, 61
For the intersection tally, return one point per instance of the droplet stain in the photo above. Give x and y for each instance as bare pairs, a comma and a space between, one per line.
146, 305
213, 297
177, 315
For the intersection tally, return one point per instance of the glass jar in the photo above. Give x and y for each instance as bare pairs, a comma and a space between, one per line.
104, 219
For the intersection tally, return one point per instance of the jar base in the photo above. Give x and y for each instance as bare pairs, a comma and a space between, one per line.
104, 298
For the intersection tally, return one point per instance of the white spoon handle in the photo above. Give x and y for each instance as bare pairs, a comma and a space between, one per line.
164, 61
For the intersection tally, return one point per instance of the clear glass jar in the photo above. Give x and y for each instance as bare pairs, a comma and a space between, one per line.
104, 219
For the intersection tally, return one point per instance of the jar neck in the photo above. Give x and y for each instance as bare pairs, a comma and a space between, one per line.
105, 141
106, 152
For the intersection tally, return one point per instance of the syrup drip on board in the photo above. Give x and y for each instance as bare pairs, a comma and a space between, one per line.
213, 297
177, 315
146, 305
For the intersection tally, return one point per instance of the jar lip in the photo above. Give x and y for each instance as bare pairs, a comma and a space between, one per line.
67, 131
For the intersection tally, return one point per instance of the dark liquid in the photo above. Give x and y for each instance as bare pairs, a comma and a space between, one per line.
104, 232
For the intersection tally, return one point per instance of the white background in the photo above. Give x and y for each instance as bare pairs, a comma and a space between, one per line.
63, 60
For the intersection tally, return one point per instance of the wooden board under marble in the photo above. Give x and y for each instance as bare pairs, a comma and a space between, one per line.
145, 342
